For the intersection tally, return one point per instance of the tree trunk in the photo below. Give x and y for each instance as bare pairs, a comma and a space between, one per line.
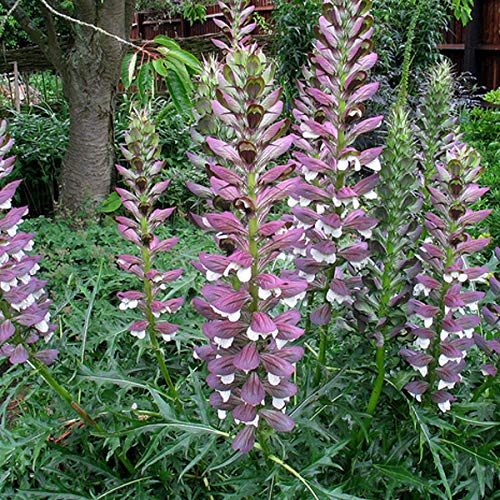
90, 74
89, 160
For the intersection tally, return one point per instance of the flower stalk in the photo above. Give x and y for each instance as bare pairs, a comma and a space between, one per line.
445, 316
249, 361
338, 179
142, 151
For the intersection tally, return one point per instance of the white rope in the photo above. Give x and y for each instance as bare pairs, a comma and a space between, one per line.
88, 25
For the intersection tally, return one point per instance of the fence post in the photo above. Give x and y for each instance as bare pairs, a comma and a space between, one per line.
17, 88
472, 39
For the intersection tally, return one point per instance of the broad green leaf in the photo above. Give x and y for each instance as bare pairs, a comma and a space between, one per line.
166, 42
128, 68
182, 56
159, 67
182, 73
111, 204
178, 92
131, 67
144, 81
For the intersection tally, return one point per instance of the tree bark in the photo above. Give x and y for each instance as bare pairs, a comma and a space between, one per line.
90, 75
85, 179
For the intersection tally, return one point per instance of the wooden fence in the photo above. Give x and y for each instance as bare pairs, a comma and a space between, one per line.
474, 48
148, 24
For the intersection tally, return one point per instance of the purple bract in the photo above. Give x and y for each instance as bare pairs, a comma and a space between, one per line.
24, 316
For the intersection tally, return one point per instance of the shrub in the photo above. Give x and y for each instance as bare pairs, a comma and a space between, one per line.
41, 138
481, 128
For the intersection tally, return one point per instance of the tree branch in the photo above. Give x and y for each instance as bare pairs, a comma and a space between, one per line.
87, 25
26, 24
53, 50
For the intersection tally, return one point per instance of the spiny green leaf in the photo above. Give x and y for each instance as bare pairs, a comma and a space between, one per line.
472, 452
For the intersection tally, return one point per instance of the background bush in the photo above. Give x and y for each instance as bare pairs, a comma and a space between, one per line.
481, 127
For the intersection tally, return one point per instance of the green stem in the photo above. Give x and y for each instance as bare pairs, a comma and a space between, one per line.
253, 247
310, 302
379, 381
163, 367
321, 356
69, 400
289, 469
153, 338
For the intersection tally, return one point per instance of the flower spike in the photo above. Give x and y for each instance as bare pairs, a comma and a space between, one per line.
142, 151
445, 309
24, 316
249, 357
338, 178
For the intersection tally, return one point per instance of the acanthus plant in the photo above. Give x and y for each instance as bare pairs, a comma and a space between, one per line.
394, 242
437, 124
330, 204
248, 357
24, 305
445, 316
145, 186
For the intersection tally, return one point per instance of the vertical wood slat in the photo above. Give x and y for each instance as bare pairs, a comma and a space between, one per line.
472, 40
17, 88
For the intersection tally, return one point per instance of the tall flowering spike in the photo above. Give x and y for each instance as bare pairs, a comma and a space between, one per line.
445, 312
330, 115
249, 356
437, 124
142, 151
24, 311
394, 237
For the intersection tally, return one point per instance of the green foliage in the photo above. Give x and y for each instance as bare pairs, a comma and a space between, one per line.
462, 10
493, 96
294, 21
481, 127
169, 61
392, 22
11, 34
41, 137
44, 453
195, 11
